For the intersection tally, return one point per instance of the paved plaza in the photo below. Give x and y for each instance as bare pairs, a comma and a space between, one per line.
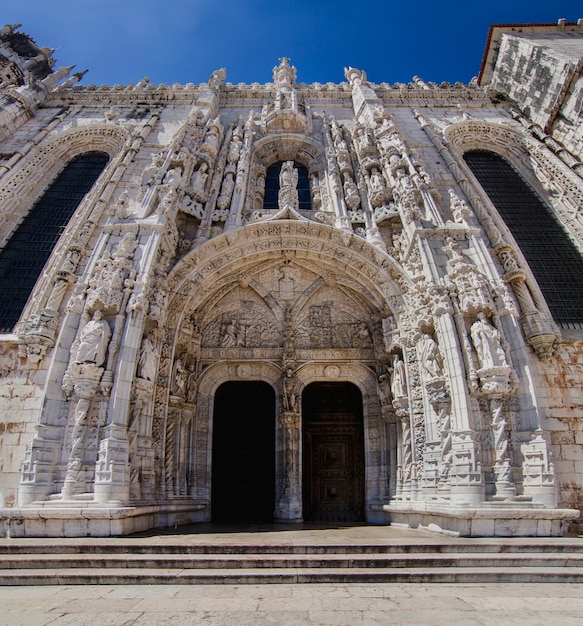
282, 605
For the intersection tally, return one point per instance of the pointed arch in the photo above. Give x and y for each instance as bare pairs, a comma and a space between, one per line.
25, 254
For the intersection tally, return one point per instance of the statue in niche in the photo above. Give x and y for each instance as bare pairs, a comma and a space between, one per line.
93, 340
398, 381
179, 377
192, 385
377, 181
487, 341
200, 176
290, 391
384, 388
288, 183
430, 358
288, 176
224, 199
351, 194
148, 358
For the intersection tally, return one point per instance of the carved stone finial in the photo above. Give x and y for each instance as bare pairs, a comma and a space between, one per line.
355, 76
284, 74
8, 29
217, 78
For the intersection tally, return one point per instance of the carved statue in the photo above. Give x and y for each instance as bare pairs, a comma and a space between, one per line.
200, 176
384, 388
361, 338
93, 341
179, 377
377, 181
351, 192
398, 381
487, 341
290, 391
429, 357
288, 182
230, 339
148, 358
288, 177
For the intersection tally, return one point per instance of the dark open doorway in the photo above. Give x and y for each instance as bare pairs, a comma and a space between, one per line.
333, 453
243, 453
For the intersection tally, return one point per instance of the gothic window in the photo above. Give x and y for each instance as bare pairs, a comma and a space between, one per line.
272, 187
26, 252
552, 256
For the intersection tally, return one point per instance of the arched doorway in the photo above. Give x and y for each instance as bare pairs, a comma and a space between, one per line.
243, 452
333, 453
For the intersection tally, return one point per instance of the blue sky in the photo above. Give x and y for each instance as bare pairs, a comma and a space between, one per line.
120, 41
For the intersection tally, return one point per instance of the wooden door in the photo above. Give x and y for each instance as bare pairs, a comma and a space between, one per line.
333, 453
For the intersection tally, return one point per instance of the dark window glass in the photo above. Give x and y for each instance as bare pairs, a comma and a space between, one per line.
552, 256
272, 187
26, 252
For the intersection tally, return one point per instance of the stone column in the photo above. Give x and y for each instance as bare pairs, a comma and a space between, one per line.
288, 496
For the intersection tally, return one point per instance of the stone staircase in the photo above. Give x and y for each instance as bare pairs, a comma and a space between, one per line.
147, 561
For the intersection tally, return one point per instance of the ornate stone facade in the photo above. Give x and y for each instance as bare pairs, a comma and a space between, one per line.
382, 271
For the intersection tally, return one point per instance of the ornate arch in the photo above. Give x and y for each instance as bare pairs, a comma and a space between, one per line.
229, 257
288, 147
541, 168
21, 188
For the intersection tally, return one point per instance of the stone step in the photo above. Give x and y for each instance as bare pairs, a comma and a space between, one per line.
123, 546
272, 561
142, 576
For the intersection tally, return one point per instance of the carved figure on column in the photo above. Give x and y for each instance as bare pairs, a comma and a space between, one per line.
429, 357
179, 377
200, 177
148, 358
93, 341
351, 195
290, 391
384, 388
487, 341
288, 182
398, 381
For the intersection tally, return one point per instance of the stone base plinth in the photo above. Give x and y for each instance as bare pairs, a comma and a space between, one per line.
490, 520
69, 519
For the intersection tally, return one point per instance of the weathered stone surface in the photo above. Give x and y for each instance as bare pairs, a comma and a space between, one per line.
196, 260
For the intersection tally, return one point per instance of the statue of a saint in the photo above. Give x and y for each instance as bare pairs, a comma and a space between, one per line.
398, 384
200, 176
384, 388
429, 357
288, 176
179, 377
147, 362
290, 391
230, 339
486, 340
93, 341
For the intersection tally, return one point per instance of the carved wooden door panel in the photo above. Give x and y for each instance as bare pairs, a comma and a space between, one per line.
333, 457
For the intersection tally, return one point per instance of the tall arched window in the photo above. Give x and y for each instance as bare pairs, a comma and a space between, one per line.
272, 187
25, 254
551, 254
